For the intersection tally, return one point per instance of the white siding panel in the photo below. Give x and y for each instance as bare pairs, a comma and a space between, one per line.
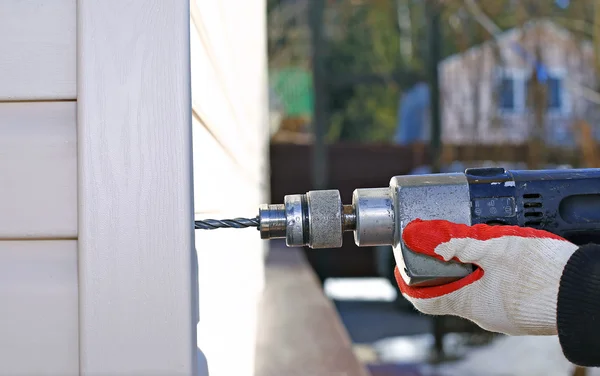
137, 271
38, 170
39, 311
37, 44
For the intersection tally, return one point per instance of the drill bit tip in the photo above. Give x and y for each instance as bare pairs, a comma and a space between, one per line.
212, 224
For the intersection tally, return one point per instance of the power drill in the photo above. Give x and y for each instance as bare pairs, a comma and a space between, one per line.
565, 202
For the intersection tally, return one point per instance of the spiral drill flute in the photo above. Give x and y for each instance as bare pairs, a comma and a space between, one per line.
212, 224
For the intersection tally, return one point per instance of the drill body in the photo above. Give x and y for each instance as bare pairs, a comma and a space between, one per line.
565, 202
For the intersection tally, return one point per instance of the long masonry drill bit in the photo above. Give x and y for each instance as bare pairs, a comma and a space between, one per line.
212, 224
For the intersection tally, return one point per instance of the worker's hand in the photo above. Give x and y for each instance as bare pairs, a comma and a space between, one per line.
514, 289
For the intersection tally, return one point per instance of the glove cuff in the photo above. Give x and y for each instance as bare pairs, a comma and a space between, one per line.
578, 307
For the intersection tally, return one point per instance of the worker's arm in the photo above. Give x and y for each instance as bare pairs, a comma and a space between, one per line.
578, 307
527, 282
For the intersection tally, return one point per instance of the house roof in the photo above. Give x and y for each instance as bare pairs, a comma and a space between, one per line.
513, 33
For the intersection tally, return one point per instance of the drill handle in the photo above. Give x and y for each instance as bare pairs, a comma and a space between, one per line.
564, 202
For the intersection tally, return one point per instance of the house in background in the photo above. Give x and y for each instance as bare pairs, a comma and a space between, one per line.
484, 90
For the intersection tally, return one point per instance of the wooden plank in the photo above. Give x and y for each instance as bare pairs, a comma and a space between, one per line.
137, 275
230, 136
212, 160
214, 101
39, 314
38, 165
37, 40
299, 331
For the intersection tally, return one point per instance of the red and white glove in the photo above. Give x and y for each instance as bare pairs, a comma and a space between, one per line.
515, 287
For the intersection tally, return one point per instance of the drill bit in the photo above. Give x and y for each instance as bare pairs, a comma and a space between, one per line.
212, 224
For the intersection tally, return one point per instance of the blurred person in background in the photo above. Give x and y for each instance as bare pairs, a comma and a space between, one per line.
414, 127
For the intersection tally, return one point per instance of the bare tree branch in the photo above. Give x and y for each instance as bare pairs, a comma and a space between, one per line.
482, 18
492, 28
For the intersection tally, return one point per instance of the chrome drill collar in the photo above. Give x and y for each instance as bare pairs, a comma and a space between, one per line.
272, 221
375, 217
296, 220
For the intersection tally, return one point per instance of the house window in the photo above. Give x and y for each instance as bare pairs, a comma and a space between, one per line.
507, 93
510, 91
513, 87
554, 90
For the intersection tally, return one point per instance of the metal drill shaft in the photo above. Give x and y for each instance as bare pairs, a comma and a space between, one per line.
212, 224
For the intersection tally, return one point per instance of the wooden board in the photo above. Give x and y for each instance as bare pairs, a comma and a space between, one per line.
214, 102
227, 178
138, 296
37, 44
230, 137
39, 312
38, 170
299, 331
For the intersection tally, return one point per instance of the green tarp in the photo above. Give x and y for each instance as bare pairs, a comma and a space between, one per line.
294, 89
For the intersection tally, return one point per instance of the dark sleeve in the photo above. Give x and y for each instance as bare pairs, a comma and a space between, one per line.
578, 307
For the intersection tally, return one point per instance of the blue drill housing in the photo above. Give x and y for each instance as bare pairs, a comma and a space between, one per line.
565, 202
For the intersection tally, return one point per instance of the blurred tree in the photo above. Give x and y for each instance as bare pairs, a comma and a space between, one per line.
382, 36
369, 43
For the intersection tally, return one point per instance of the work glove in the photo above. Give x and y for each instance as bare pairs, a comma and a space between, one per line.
514, 288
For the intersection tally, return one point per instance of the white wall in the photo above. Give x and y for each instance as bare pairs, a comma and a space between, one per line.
38, 189
230, 134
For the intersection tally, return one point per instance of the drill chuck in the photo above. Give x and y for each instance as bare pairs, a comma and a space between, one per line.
316, 219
